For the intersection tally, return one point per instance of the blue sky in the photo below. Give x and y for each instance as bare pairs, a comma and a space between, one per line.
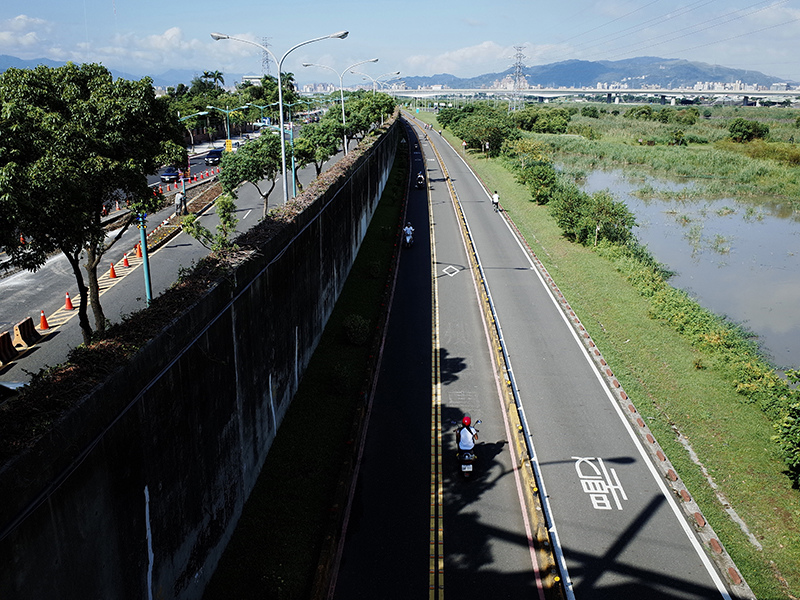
465, 38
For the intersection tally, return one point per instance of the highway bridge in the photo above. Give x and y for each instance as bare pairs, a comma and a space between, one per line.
666, 95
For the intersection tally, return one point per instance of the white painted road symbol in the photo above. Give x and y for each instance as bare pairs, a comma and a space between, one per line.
600, 483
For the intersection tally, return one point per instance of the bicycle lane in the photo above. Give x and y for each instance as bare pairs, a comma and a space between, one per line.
621, 533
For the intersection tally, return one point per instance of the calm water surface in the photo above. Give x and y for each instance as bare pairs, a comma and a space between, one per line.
733, 258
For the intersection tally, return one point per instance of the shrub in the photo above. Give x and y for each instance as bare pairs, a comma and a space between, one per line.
356, 328
742, 130
590, 111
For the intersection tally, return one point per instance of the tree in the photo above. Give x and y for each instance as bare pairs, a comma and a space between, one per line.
215, 77
742, 130
253, 163
225, 209
485, 131
583, 217
316, 144
75, 141
590, 111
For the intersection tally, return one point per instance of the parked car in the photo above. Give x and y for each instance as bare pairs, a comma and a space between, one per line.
213, 156
170, 174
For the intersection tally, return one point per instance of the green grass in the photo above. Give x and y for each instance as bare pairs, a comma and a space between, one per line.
659, 370
279, 540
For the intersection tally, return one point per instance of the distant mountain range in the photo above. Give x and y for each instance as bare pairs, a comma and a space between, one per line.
636, 72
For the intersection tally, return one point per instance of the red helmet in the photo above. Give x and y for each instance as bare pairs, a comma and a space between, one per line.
466, 421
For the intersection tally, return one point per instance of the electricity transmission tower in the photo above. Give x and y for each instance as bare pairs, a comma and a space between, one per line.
520, 83
265, 56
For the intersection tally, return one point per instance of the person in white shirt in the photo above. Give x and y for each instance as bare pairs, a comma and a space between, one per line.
466, 434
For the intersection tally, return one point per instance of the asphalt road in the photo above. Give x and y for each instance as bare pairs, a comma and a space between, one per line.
618, 531
621, 532
26, 294
416, 526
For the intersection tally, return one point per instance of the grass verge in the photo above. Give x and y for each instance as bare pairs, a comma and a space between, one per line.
277, 546
658, 369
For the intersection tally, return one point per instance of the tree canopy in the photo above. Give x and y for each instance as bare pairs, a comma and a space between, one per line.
76, 140
254, 162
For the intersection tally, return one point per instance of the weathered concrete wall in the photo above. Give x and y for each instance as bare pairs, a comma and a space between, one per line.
136, 492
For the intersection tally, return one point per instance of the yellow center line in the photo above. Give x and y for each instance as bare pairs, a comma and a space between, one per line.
436, 577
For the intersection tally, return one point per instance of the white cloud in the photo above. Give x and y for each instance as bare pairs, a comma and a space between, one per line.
22, 32
471, 60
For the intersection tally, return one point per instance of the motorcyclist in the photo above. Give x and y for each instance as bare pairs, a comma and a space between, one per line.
420, 179
408, 230
466, 435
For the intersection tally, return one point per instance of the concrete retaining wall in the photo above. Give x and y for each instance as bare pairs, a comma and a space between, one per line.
136, 492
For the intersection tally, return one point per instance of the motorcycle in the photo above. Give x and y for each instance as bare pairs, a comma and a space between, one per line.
420, 181
466, 458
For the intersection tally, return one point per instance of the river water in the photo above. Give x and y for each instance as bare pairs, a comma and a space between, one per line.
735, 259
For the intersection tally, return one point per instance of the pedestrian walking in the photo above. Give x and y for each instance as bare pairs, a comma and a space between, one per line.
495, 201
179, 204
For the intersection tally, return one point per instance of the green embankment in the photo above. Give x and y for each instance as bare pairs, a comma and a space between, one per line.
664, 376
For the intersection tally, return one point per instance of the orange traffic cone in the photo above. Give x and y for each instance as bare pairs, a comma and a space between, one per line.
125, 262
68, 303
138, 251
43, 323
112, 274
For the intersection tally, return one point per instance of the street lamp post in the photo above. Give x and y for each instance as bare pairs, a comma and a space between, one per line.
227, 112
339, 35
291, 139
341, 90
189, 168
375, 80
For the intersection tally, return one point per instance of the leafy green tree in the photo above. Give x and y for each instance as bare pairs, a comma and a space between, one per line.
590, 111
75, 141
640, 112
584, 218
219, 242
486, 131
215, 77
688, 116
543, 120
316, 144
742, 130
540, 179
203, 87
254, 163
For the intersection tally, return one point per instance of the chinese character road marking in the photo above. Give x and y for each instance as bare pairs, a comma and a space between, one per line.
599, 482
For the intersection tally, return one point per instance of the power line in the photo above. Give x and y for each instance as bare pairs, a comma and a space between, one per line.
650, 43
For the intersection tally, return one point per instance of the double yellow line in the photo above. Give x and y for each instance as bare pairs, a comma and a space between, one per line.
436, 577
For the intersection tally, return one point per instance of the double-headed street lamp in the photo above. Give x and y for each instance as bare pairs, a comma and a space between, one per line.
341, 90
227, 113
182, 119
339, 35
375, 80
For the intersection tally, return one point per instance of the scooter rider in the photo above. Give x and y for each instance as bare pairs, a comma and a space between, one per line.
466, 435
408, 232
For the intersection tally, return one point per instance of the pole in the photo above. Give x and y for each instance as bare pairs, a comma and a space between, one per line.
148, 290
